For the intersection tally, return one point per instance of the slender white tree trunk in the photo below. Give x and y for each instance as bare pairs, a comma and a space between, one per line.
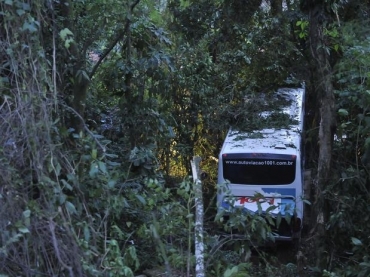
198, 230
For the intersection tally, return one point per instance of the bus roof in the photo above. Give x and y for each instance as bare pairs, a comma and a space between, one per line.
284, 140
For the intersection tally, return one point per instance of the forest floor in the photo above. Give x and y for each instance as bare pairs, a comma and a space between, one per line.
285, 259
282, 259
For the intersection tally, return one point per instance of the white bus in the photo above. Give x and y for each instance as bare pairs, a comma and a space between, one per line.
267, 163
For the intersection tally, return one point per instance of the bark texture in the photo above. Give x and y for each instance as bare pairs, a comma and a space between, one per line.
325, 95
198, 230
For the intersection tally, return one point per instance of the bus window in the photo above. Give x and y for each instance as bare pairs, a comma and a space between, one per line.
271, 169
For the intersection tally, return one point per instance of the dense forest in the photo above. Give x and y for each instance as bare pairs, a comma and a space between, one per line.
104, 103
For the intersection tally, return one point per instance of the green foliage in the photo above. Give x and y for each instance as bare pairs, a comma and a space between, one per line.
151, 86
303, 28
237, 271
353, 87
67, 36
349, 195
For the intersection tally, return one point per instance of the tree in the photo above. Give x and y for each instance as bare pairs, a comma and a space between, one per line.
81, 26
320, 20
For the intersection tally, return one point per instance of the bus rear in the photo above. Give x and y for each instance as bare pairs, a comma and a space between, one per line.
263, 170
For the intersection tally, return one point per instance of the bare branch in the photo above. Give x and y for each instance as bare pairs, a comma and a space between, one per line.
56, 248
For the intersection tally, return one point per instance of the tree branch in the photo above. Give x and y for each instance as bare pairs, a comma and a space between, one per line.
119, 37
85, 127
56, 248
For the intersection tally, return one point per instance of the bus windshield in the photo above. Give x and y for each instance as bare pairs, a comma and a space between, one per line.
259, 168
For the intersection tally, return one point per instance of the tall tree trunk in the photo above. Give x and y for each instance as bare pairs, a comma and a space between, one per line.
81, 80
276, 7
325, 92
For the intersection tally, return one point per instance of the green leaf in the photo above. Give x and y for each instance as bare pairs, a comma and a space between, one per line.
23, 230
102, 167
58, 168
263, 233
231, 271
270, 221
20, 12
127, 271
306, 202
65, 33
271, 208
62, 198
113, 163
86, 233
66, 185
94, 170
70, 207
26, 213
356, 241
30, 26
111, 155
26, 217
14, 239
26, 7
141, 199
343, 112
278, 220
132, 255
67, 43
288, 218
111, 184
367, 142
9, 2
94, 153
82, 75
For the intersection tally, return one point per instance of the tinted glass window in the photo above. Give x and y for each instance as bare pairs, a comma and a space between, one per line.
259, 169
